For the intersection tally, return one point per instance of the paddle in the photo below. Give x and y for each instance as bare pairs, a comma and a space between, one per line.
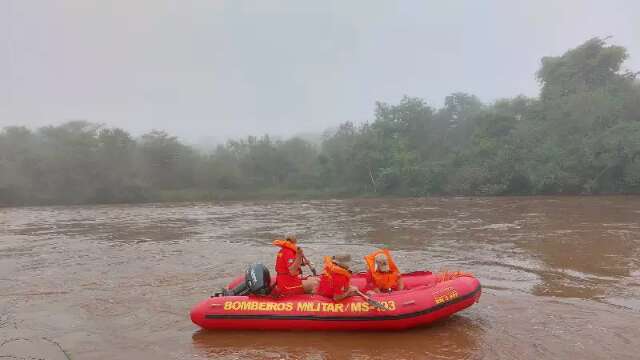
370, 300
310, 265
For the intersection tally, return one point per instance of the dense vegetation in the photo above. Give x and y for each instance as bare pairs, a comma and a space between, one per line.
580, 136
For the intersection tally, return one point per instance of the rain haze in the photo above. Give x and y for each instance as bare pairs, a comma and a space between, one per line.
221, 69
163, 164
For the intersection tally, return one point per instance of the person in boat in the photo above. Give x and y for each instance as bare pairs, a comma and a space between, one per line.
383, 274
289, 262
335, 280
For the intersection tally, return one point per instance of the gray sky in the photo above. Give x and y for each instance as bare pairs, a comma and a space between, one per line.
233, 68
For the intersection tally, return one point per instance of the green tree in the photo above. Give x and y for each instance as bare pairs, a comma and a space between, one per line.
165, 163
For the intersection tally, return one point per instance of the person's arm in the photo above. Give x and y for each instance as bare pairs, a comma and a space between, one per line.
294, 268
341, 296
400, 284
349, 292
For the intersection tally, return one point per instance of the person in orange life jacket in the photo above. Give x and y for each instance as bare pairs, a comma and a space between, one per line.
383, 274
335, 280
288, 268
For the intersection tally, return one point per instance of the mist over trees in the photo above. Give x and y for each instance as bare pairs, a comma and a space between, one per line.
580, 136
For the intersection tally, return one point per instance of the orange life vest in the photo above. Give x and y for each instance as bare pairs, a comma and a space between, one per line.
383, 280
330, 268
282, 266
286, 245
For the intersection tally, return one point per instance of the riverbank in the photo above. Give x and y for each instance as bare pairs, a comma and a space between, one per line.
274, 194
198, 195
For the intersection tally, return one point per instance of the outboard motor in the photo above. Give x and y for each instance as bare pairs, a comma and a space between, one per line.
257, 281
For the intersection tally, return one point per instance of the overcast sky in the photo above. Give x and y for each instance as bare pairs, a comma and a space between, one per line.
232, 68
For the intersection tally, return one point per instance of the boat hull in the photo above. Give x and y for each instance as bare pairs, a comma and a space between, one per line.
426, 300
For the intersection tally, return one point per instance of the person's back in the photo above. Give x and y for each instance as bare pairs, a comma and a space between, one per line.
288, 262
383, 274
335, 280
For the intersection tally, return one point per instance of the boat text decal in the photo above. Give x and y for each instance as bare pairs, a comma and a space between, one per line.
445, 295
305, 306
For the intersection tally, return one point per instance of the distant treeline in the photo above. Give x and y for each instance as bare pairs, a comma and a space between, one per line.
580, 136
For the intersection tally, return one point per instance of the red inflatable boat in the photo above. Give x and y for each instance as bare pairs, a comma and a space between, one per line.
428, 297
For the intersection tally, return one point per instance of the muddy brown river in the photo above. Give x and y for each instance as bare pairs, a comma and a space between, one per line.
560, 276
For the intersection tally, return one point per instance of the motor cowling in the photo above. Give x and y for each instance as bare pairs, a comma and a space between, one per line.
257, 281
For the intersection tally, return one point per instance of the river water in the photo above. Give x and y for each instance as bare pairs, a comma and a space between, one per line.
560, 275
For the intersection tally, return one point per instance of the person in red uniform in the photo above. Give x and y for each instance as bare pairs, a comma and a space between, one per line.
383, 274
335, 280
289, 261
